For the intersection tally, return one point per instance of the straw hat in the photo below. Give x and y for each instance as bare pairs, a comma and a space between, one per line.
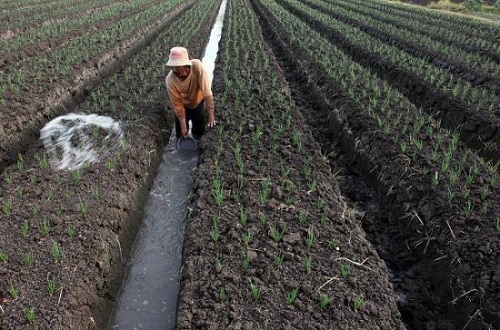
178, 57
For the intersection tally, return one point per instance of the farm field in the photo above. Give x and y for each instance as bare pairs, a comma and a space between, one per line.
352, 181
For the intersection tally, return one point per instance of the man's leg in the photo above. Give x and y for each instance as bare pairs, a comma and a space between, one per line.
198, 119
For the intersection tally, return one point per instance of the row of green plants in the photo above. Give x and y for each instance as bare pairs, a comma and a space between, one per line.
434, 30
42, 72
29, 17
273, 192
81, 23
444, 163
448, 50
132, 95
417, 158
467, 26
482, 99
15, 5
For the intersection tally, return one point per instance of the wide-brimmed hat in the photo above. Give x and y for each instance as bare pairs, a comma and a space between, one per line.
178, 57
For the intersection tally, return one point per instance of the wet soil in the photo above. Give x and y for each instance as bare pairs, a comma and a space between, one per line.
65, 236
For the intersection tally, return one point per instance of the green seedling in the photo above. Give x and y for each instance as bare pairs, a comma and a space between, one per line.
243, 216
291, 296
20, 163
76, 176
3, 257
45, 227
13, 291
70, 231
310, 238
25, 228
214, 233
223, 294
33, 180
276, 232
7, 207
246, 237
324, 301
35, 210
7, 178
278, 259
345, 269
303, 215
358, 303
308, 265
28, 259
56, 252
256, 293
245, 261
30, 314
324, 221
51, 285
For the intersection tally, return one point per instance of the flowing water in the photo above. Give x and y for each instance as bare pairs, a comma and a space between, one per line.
148, 297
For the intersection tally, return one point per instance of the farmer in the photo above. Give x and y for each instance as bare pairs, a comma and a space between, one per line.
190, 94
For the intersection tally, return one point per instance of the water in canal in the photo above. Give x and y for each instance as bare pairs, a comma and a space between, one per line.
148, 297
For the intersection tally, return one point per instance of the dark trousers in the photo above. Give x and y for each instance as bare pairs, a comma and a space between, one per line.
198, 119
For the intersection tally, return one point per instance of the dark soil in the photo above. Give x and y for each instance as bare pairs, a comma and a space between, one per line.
387, 221
216, 284
90, 216
380, 252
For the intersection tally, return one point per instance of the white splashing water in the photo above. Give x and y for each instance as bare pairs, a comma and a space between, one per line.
75, 140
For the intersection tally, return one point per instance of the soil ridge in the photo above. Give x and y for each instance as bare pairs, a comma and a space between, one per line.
65, 96
368, 158
455, 115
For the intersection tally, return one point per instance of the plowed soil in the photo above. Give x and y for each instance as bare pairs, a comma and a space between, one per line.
350, 255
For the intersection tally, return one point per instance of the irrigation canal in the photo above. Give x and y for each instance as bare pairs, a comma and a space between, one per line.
148, 297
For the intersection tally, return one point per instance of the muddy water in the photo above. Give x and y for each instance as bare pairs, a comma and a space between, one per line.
148, 297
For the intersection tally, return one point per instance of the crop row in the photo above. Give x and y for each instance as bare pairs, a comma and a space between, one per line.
440, 188
279, 230
421, 29
16, 21
468, 27
36, 88
453, 57
75, 26
51, 217
428, 86
14, 6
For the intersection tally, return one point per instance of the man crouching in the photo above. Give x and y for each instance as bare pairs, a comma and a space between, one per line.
190, 94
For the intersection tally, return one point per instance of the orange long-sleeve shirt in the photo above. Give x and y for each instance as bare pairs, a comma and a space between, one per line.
189, 92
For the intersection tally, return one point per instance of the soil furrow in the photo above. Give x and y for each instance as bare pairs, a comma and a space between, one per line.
53, 43
477, 131
421, 31
16, 138
417, 273
476, 78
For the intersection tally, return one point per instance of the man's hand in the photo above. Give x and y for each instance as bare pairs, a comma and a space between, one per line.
184, 128
211, 121
184, 132
210, 109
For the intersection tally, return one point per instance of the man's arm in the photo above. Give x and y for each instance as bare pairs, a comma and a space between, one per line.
178, 107
210, 108
207, 94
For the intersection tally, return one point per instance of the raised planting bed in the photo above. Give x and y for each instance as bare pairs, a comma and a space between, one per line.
270, 242
441, 233
65, 235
